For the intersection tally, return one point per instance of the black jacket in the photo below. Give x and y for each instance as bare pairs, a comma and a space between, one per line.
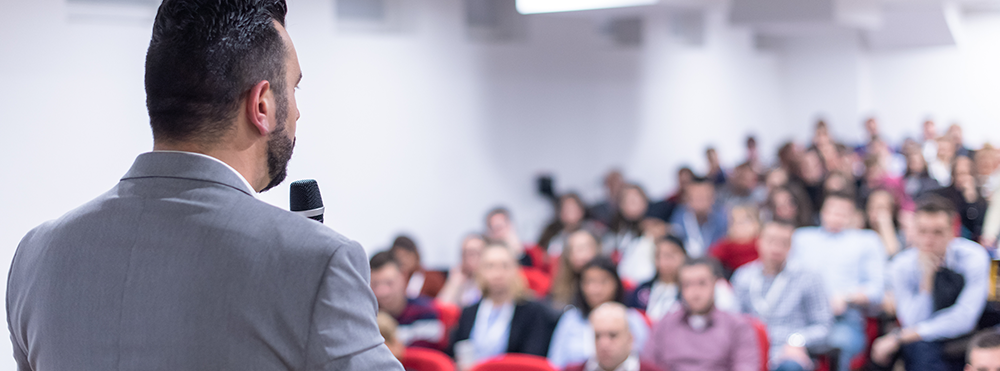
530, 328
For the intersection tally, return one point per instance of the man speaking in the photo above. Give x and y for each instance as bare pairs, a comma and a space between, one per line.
179, 267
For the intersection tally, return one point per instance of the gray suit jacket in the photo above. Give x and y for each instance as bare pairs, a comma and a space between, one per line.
178, 267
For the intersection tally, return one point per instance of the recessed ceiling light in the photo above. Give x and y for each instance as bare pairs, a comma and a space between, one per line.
552, 6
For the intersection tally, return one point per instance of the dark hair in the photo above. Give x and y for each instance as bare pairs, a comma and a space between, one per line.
381, 260
803, 215
707, 261
497, 210
404, 242
840, 195
605, 264
556, 225
618, 221
204, 57
987, 339
933, 204
669, 238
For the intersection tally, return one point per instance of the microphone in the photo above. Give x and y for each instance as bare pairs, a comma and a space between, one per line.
304, 199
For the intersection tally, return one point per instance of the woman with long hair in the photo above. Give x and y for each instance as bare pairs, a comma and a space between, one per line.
573, 339
571, 215
581, 247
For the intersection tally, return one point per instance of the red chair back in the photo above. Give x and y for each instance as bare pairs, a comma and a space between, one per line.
448, 313
515, 362
423, 359
537, 281
762, 341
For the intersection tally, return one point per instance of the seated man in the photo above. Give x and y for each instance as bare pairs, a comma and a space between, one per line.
420, 282
387, 326
940, 287
419, 325
790, 301
699, 221
613, 342
699, 337
984, 352
851, 263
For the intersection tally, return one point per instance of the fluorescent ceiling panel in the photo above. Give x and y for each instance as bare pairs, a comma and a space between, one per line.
552, 6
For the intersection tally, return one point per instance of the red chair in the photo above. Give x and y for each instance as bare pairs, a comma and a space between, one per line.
515, 362
537, 281
448, 313
762, 340
423, 359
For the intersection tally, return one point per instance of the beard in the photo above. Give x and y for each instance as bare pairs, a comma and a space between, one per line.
279, 146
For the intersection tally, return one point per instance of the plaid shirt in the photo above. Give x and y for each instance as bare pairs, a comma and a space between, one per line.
800, 307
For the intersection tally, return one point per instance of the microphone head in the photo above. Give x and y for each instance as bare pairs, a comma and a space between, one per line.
304, 198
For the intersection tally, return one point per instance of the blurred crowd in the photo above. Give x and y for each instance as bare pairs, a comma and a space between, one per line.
838, 256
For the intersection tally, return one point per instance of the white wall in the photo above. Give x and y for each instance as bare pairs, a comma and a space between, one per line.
836, 76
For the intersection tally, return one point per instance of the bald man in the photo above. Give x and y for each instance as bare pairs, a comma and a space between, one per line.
613, 342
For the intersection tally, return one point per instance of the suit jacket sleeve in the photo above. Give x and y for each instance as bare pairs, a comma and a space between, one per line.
344, 334
531, 331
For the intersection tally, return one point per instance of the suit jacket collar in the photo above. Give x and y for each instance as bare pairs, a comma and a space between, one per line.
185, 166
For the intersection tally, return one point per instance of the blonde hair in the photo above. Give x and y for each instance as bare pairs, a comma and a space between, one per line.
387, 326
566, 281
518, 288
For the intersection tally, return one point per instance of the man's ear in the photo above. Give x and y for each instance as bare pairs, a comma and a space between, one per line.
259, 104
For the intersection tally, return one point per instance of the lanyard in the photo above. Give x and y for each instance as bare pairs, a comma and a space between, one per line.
763, 302
695, 241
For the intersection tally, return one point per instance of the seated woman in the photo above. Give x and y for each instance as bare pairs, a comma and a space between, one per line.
581, 247
573, 340
740, 244
504, 321
629, 240
571, 215
661, 295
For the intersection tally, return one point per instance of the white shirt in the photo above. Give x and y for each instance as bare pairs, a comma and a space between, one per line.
253, 192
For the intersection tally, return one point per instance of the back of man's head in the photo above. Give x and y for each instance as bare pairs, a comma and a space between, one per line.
984, 352
204, 56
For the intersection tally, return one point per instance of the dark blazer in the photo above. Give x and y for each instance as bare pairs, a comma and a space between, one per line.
530, 328
179, 267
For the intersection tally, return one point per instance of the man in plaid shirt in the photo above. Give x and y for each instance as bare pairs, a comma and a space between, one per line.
790, 301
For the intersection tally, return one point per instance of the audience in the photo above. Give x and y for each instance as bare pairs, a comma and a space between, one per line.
419, 325
851, 264
963, 193
420, 282
461, 288
743, 188
572, 341
505, 320
614, 348
628, 241
789, 300
917, 181
571, 215
661, 295
581, 247
740, 245
700, 337
791, 204
603, 211
881, 215
699, 221
984, 352
814, 288
940, 287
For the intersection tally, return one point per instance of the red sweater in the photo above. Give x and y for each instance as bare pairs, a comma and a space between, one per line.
732, 255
